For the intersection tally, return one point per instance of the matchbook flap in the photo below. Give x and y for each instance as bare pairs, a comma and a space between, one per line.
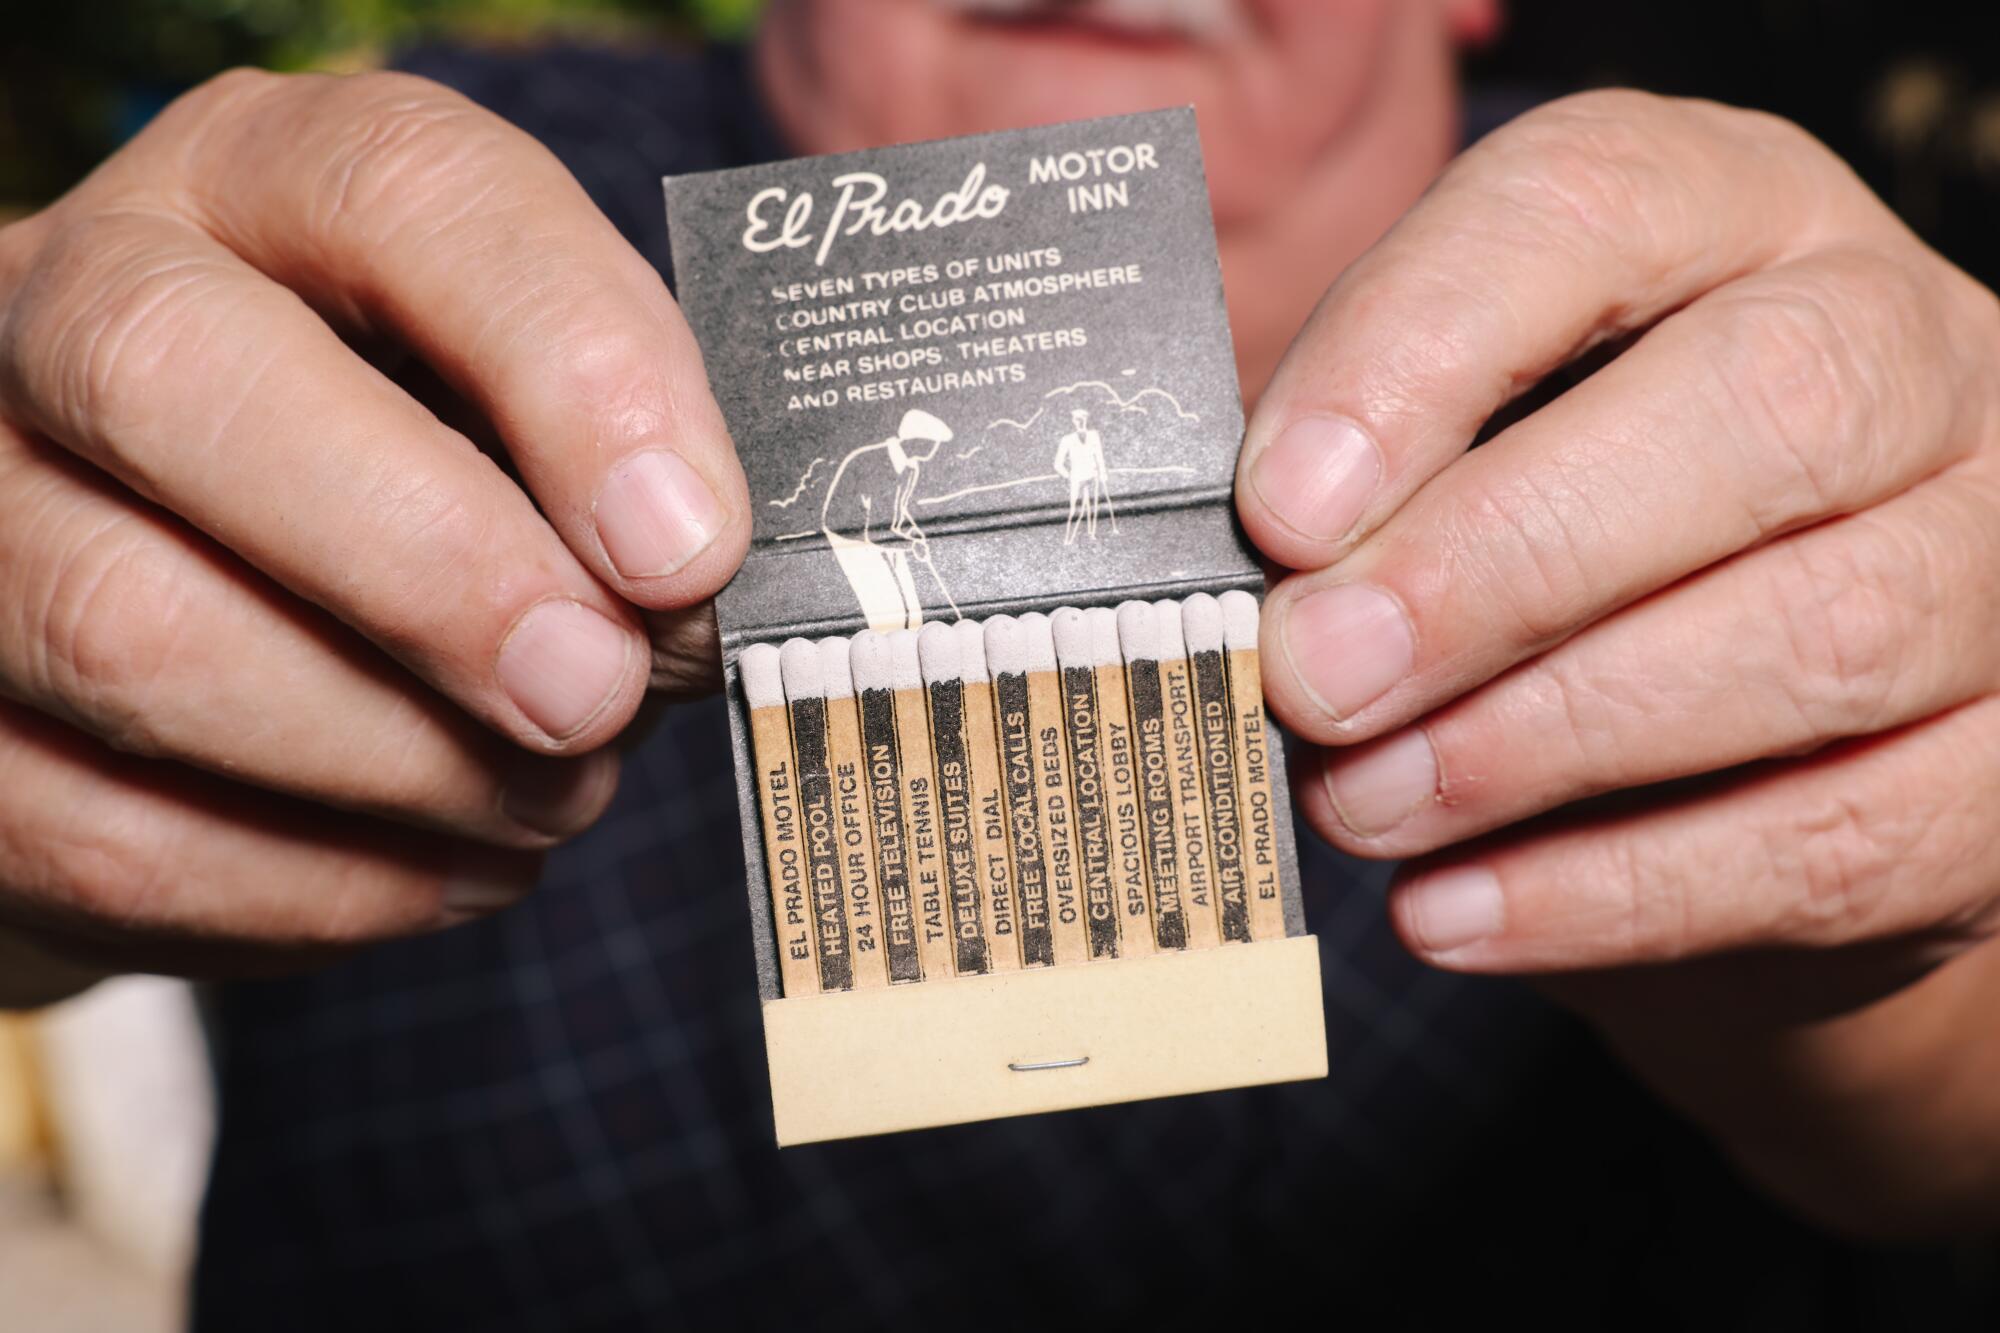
975, 375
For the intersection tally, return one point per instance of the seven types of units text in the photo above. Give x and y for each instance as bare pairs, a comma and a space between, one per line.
1029, 791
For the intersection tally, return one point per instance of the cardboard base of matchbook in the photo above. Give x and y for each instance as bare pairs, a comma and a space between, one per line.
1014, 1043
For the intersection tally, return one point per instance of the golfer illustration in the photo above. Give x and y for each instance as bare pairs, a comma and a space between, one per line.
869, 525
1080, 459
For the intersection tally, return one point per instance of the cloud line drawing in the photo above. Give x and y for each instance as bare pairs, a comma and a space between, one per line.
1122, 403
1129, 404
1018, 425
804, 480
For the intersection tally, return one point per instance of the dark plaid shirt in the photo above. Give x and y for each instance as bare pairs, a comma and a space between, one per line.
559, 1119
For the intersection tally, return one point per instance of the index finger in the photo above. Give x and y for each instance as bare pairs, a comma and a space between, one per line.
400, 205
1584, 220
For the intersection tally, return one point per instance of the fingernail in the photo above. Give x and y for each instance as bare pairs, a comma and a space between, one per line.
655, 514
1347, 644
557, 797
561, 665
1317, 476
1454, 908
483, 883
1376, 788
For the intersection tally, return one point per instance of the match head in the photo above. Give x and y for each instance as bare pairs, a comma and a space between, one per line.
1167, 624
1138, 635
906, 670
763, 682
1038, 641
1003, 647
798, 663
868, 653
1239, 620
1071, 628
937, 651
971, 636
1104, 635
834, 671
1201, 624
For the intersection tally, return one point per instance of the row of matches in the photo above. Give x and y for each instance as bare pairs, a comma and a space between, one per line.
1017, 792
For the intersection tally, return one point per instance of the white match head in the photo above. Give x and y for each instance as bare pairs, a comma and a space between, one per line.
1137, 634
1004, 656
937, 650
1167, 622
1038, 641
1103, 636
868, 655
1071, 628
1201, 624
971, 636
834, 672
905, 667
798, 662
1239, 619
763, 681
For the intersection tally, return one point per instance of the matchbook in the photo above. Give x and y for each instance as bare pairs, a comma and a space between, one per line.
1015, 819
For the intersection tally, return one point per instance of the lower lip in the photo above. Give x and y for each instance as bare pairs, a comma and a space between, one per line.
1081, 32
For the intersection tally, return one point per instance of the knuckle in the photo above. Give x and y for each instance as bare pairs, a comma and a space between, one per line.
1582, 166
1650, 913
112, 873
1846, 612
233, 87
111, 301
607, 374
407, 147
352, 910
111, 638
1783, 362
1591, 718
1839, 860
221, 103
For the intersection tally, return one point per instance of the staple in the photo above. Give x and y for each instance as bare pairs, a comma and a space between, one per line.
1261, 831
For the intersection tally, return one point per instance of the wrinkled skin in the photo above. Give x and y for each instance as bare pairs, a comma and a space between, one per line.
1679, 692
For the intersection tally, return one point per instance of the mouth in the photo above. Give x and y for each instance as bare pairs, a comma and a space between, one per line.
1137, 20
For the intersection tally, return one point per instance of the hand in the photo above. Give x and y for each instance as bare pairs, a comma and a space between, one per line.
289, 665
1744, 575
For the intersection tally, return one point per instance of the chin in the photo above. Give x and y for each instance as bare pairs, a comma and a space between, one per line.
1276, 84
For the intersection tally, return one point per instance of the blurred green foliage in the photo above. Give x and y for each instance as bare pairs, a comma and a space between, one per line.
76, 79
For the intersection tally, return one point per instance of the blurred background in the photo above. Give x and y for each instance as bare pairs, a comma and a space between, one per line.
105, 1109
1910, 93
